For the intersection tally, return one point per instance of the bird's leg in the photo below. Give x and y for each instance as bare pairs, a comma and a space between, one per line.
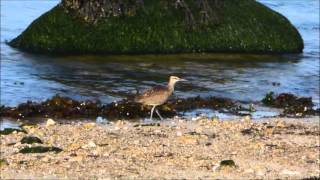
159, 114
152, 112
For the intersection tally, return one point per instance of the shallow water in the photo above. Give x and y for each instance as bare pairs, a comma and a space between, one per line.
243, 77
9, 123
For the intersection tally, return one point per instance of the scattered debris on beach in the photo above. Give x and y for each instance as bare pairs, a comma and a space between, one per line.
201, 149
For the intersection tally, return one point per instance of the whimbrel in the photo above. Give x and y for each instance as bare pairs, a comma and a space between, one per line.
158, 95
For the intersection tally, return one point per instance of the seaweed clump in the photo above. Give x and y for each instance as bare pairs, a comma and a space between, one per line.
229, 163
291, 104
39, 149
7, 131
55, 107
198, 102
30, 140
63, 107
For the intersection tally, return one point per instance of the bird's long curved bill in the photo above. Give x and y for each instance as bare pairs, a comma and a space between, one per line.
183, 80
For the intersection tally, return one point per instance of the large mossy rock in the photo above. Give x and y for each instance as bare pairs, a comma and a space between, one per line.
243, 26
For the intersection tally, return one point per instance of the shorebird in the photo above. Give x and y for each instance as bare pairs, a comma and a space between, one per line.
158, 95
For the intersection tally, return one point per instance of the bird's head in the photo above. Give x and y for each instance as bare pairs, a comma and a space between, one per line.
174, 79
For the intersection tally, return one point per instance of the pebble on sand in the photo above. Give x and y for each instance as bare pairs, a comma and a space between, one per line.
50, 122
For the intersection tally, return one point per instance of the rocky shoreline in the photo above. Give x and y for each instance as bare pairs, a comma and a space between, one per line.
175, 148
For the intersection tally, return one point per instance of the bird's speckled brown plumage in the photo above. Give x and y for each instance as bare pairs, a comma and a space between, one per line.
155, 96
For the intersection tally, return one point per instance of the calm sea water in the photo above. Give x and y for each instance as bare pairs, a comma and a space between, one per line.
244, 77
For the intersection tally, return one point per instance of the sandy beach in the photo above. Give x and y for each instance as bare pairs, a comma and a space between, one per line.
176, 148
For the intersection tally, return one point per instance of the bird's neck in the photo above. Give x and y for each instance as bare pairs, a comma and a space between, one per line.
171, 85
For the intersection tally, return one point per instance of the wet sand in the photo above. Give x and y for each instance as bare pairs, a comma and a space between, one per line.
176, 148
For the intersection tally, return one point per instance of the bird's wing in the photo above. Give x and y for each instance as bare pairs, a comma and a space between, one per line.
154, 91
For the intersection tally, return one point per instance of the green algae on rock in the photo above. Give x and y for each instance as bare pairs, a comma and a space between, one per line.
162, 27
